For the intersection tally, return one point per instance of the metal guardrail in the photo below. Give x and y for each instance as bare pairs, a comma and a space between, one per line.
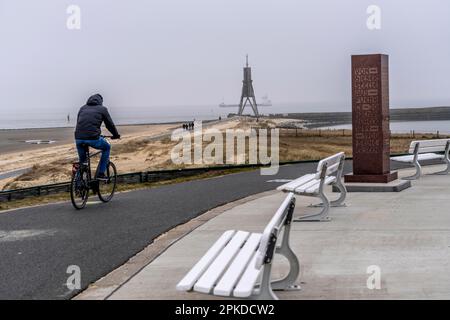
125, 178
135, 177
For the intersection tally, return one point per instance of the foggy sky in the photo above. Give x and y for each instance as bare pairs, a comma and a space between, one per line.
191, 52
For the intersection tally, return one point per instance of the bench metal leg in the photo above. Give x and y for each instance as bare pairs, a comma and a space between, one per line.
417, 174
288, 282
446, 159
339, 202
447, 169
321, 216
264, 292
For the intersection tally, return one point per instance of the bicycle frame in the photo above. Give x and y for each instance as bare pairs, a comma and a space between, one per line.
88, 166
88, 160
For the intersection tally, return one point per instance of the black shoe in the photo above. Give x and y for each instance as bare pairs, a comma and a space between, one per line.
102, 177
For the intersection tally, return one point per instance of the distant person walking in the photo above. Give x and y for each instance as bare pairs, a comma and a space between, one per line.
88, 131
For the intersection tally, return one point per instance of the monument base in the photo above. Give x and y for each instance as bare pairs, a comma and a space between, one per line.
371, 178
394, 186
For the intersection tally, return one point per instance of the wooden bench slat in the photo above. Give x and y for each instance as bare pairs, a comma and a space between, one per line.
310, 184
199, 268
431, 149
315, 188
430, 156
434, 142
430, 143
291, 186
331, 169
330, 161
221, 263
237, 268
422, 156
248, 280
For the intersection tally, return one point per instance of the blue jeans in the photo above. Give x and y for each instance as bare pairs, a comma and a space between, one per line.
99, 144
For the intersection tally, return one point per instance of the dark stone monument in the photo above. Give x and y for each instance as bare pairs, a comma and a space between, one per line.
370, 120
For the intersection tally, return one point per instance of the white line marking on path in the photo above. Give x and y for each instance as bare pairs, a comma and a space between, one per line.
93, 202
17, 235
280, 180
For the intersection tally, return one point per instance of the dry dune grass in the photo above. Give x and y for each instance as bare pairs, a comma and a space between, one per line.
247, 123
54, 172
130, 146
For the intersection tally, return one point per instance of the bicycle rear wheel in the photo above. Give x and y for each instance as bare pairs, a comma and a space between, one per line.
107, 188
79, 189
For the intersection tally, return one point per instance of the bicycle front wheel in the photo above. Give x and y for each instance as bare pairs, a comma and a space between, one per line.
79, 189
107, 188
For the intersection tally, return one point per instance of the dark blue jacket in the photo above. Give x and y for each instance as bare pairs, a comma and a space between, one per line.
90, 118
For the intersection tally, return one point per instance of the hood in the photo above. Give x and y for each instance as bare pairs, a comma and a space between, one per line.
95, 100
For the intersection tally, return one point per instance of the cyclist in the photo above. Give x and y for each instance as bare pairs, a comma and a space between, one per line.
88, 131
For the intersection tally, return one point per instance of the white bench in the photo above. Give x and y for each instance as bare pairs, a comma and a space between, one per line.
312, 185
426, 150
236, 262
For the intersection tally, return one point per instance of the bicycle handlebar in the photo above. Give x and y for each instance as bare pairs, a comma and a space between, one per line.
110, 137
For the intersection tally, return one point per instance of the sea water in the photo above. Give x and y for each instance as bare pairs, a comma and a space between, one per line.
50, 118
442, 126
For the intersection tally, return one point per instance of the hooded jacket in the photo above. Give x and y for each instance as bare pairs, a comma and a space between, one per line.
90, 118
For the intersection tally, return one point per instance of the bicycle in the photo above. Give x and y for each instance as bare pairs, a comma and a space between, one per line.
82, 181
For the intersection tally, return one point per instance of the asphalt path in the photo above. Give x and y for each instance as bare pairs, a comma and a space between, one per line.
38, 244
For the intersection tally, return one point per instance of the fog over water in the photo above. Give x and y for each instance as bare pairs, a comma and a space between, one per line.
165, 60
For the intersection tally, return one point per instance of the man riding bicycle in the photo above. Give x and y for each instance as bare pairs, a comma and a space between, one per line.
88, 131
